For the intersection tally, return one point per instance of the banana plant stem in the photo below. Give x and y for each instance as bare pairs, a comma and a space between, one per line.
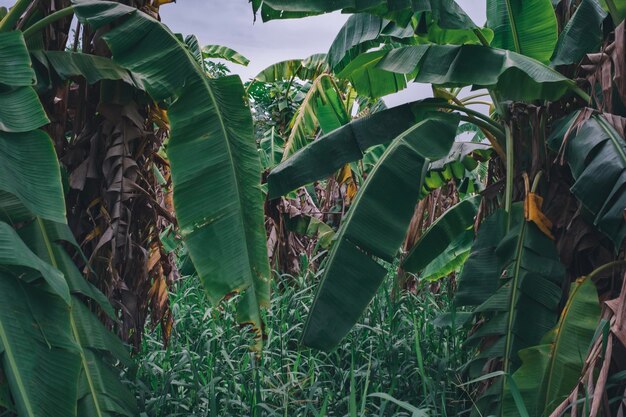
51, 18
604, 267
14, 15
510, 173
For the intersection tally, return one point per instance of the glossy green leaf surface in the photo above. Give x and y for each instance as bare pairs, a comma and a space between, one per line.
15, 69
29, 170
346, 144
550, 371
596, 155
454, 222
39, 356
20, 108
528, 27
521, 300
383, 208
214, 161
582, 34
93, 68
515, 76
100, 392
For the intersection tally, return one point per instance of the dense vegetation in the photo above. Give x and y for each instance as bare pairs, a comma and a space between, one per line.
458, 255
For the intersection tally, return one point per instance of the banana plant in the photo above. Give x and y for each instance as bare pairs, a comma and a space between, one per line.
513, 276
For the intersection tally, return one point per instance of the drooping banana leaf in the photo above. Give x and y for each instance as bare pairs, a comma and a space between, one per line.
29, 171
582, 34
453, 223
15, 69
527, 276
596, 154
528, 27
383, 208
514, 76
447, 12
57, 235
67, 64
305, 69
328, 154
451, 259
223, 52
214, 161
100, 393
550, 371
20, 108
361, 32
441, 22
39, 357
476, 283
368, 79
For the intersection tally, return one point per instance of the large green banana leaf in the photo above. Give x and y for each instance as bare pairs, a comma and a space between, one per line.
383, 208
100, 392
326, 155
454, 222
29, 171
305, 69
582, 34
20, 108
446, 24
224, 52
446, 12
368, 79
67, 64
476, 283
514, 76
39, 356
528, 276
451, 259
550, 371
528, 27
596, 154
214, 161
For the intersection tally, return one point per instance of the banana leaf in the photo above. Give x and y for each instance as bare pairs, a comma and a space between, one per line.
305, 69
383, 208
596, 154
528, 27
582, 35
322, 107
454, 222
223, 52
551, 370
20, 108
39, 356
215, 166
328, 154
518, 285
100, 393
29, 171
451, 259
514, 76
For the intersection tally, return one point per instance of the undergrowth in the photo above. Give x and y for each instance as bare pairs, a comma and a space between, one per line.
402, 359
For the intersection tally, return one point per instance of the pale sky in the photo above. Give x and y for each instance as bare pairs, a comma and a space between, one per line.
230, 23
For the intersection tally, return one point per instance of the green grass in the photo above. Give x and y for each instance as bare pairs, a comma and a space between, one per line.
396, 362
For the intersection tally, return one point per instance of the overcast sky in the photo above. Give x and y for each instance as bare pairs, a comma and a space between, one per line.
230, 23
